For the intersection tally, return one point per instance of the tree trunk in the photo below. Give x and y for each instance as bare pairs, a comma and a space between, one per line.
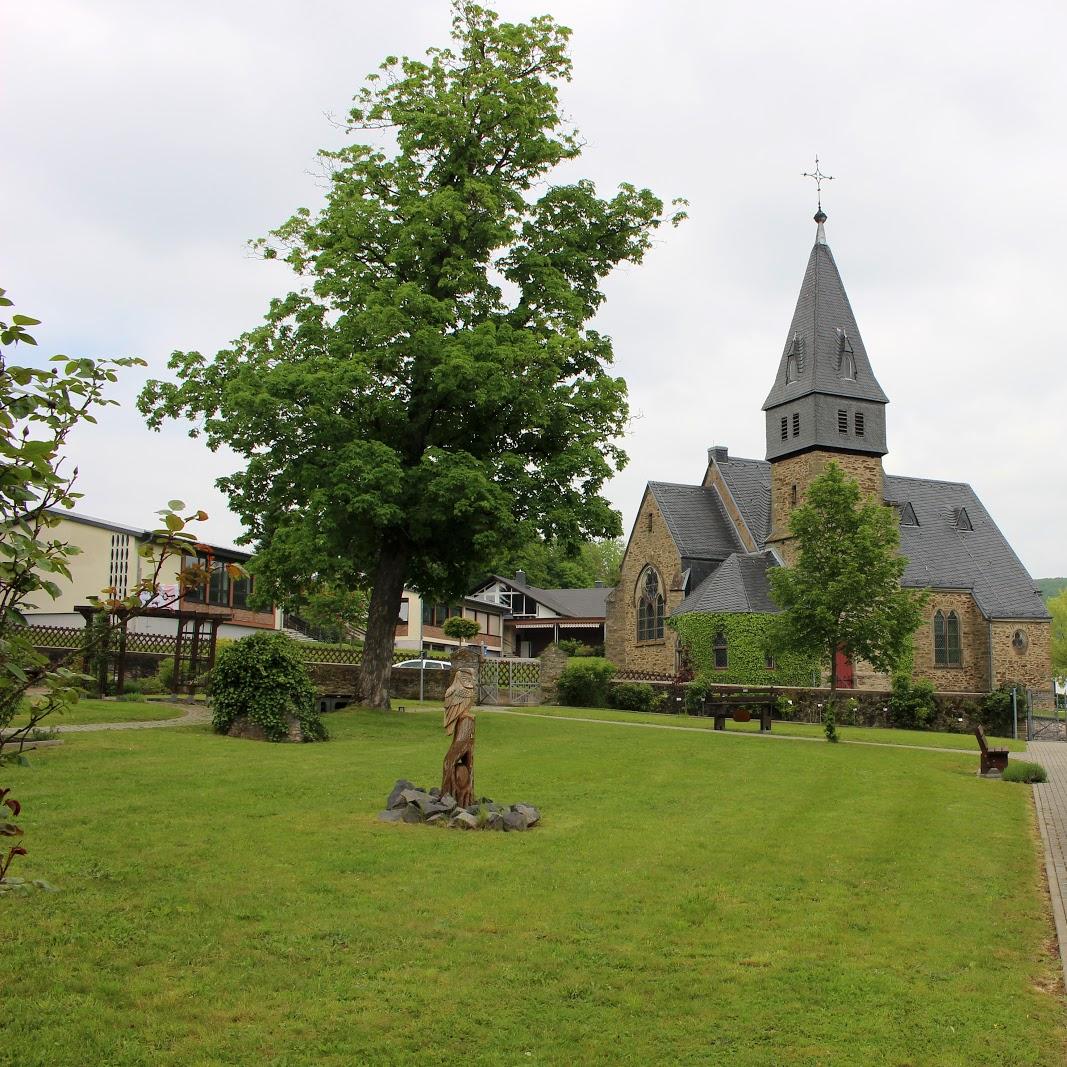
382, 615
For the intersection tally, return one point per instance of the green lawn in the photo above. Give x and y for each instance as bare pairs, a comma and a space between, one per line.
89, 710
923, 738
688, 900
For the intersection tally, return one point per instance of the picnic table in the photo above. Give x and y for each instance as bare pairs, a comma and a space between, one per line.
741, 707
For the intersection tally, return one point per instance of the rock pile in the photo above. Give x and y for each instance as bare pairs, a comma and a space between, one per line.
408, 803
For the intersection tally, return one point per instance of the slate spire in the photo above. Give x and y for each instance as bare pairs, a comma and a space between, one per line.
825, 394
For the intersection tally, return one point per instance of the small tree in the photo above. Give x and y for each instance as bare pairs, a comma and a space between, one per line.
462, 629
1057, 605
39, 408
844, 590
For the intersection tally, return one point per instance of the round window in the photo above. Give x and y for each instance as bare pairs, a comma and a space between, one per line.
1018, 641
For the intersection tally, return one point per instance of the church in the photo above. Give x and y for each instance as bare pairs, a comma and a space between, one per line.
694, 588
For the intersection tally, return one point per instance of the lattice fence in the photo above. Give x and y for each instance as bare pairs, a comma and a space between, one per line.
73, 637
509, 680
646, 676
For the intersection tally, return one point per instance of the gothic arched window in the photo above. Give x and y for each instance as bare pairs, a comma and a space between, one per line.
947, 647
649, 606
720, 650
846, 358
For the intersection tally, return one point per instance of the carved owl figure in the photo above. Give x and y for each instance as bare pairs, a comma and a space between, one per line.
459, 697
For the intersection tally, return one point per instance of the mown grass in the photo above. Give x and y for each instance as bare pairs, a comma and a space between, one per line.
687, 900
922, 738
90, 710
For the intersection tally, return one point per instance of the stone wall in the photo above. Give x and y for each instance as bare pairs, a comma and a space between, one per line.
972, 676
342, 680
650, 543
1030, 664
553, 662
802, 470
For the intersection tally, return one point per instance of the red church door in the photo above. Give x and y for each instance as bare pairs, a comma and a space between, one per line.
845, 677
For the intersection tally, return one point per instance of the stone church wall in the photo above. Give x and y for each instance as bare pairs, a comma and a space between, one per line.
650, 543
1031, 665
972, 676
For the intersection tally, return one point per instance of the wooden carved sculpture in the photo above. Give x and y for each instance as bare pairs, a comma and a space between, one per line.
457, 778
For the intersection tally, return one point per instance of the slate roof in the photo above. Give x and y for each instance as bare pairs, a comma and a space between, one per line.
822, 312
739, 585
749, 482
697, 520
939, 555
979, 559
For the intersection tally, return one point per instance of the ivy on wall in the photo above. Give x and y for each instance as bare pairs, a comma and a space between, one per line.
746, 650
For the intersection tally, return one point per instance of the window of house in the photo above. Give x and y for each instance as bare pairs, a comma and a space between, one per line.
218, 587
796, 423
118, 574
947, 648
785, 428
793, 495
859, 424
720, 651
650, 606
907, 515
648, 522
842, 420
435, 614
846, 360
1019, 641
404, 609
793, 361
240, 591
769, 661
963, 520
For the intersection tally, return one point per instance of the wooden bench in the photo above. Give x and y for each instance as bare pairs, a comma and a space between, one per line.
740, 708
990, 759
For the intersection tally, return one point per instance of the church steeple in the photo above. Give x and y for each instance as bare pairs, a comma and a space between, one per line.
825, 396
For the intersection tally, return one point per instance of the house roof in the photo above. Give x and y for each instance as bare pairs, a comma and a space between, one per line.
696, 519
823, 326
590, 603
939, 553
738, 585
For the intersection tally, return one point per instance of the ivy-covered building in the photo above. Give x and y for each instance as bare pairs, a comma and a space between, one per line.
694, 576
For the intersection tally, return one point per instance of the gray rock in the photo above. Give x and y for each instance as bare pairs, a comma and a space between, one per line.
495, 821
435, 792
426, 803
411, 814
514, 820
449, 801
464, 820
533, 816
391, 815
395, 799
437, 817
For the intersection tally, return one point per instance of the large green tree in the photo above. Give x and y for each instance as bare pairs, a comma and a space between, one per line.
549, 565
843, 590
434, 391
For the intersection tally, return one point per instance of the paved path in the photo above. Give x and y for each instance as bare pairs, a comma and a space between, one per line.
1050, 799
195, 715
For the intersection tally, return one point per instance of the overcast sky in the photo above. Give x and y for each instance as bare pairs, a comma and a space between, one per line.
144, 143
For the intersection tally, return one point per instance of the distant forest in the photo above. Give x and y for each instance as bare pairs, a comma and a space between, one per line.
1050, 586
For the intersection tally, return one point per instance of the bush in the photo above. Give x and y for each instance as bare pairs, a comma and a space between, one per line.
995, 712
584, 683
829, 723
165, 675
573, 647
1021, 771
911, 704
149, 686
634, 696
265, 678
695, 692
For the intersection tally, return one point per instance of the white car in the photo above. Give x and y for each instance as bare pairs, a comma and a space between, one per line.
424, 664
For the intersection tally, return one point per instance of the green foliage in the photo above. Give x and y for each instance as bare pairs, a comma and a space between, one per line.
911, 703
9, 829
829, 722
574, 647
634, 696
265, 678
584, 683
553, 565
1021, 771
995, 709
1050, 587
40, 407
165, 674
748, 641
431, 394
1057, 606
459, 628
844, 590
332, 612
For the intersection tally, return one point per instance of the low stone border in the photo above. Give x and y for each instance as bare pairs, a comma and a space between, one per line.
408, 803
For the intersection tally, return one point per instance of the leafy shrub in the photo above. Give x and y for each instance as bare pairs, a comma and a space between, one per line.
265, 678
165, 674
573, 647
695, 692
634, 696
150, 685
829, 723
1021, 771
584, 683
911, 704
995, 711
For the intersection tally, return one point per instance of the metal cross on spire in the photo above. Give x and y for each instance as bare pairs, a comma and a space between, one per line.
819, 179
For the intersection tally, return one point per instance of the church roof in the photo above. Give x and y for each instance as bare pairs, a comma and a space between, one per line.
738, 585
696, 519
941, 552
822, 333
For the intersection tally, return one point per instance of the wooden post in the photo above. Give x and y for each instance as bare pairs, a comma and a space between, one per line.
176, 684
120, 681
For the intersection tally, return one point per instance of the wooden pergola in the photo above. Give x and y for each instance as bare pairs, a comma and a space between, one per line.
194, 643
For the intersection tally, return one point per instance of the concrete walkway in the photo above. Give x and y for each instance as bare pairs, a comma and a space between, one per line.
1050, 799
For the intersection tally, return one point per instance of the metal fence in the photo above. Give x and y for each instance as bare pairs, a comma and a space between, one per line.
509, 680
